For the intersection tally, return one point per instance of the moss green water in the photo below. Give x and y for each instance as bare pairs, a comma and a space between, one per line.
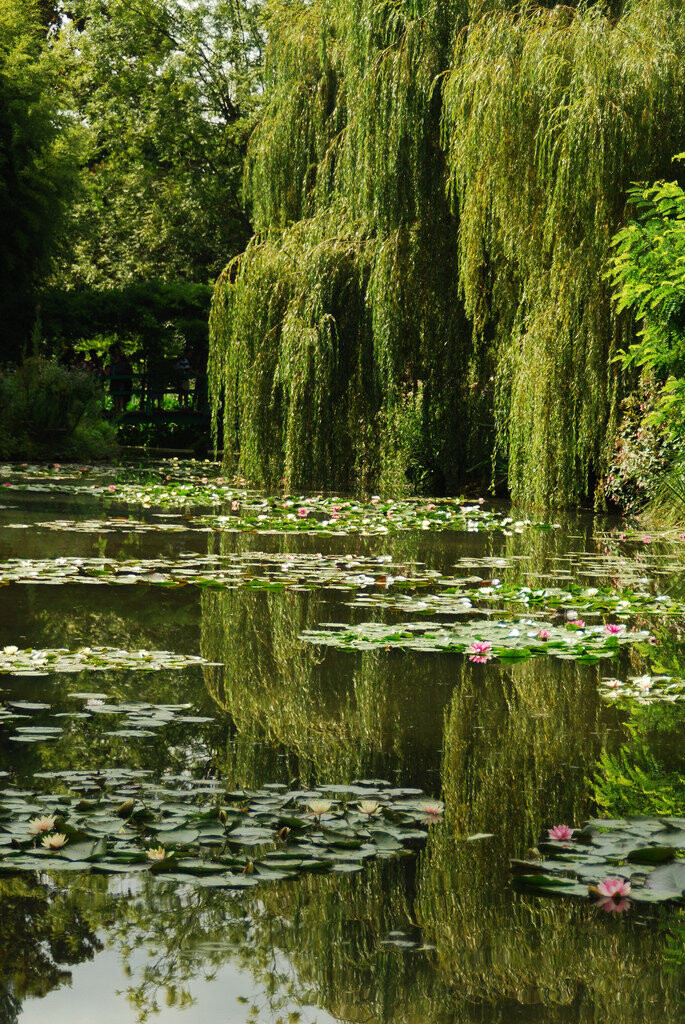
512, 749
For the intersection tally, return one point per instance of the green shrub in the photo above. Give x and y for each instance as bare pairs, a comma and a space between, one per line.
47, 410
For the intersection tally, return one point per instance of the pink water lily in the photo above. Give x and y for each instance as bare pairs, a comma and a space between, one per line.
612, 906
235, 505
577, 624
560, 832
544, 634
302, 513
111, 487
613, 629
432, 809
480, 651
614, 888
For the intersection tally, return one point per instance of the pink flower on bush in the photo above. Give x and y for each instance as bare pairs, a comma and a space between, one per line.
613, 629
480, 651
560, 832
544, 634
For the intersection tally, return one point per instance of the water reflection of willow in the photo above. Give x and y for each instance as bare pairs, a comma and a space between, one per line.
336, 716
514, 760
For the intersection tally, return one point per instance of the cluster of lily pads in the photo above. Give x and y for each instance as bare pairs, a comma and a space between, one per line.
459, 594
187, 831
253, 569
244, 510
482, 640
30, 662
616, 862
138, 718
644, 689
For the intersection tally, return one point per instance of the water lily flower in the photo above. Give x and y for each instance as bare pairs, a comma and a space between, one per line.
44, 824
430, 506
369, 806
681, 536
577, 624
54, 842
614, 888
219, 480
375, 499
95, 702
432, 809
480, 651
647, 539
613, 895
11, 649
560, 832
235, 505
612, 628
544, 634
156, 853
302, 513
613, 906
204, 480
319, 807
112, 487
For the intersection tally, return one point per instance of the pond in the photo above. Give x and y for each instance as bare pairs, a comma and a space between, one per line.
297, 758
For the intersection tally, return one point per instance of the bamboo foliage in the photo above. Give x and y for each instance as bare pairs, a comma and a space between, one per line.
435, 186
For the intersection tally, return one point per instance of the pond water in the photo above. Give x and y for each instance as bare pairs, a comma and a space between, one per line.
435, 927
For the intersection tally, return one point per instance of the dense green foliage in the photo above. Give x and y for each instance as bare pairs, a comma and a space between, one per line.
38, 154
165, 92
146, 314
47, 410
434, 211
647, 271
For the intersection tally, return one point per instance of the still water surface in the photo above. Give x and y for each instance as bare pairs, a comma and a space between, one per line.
440, 937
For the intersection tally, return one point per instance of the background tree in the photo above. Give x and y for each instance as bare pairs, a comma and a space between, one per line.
167, 92
38, 166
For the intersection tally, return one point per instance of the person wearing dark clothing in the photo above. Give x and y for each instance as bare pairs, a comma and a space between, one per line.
183, 373
120, 379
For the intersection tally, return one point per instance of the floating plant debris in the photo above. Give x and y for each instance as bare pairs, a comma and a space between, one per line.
481, 640
185, 830
642, 855
41, 662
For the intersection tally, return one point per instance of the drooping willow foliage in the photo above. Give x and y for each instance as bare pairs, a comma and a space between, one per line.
434, 186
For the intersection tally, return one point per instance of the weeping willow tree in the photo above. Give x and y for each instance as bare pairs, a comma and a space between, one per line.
434, 189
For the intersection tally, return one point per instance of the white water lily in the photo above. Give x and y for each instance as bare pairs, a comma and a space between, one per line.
54, 842
319, 807
44, 824
369, 806
11, 649
156, 853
